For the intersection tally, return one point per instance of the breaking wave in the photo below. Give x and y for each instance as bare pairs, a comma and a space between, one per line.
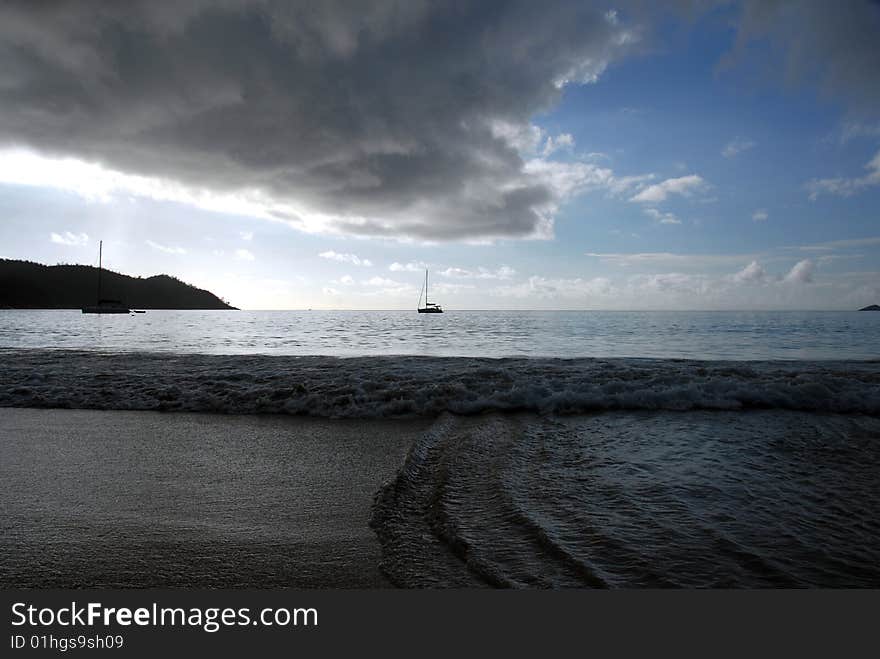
400, 386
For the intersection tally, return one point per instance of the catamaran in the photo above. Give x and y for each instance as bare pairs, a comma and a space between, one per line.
429, 307
104, 306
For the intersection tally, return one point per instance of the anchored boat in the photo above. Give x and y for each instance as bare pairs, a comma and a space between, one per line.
104, 305
429, 307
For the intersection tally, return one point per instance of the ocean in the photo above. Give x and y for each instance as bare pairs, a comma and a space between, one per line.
552, 449
727, 335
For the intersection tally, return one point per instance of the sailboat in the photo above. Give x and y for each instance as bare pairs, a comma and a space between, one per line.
104, 306
429, 307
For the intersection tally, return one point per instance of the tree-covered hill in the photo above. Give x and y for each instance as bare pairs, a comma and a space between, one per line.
27, 285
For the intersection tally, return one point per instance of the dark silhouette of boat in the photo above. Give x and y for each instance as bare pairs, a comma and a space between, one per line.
104, 305
429, 307
107, 306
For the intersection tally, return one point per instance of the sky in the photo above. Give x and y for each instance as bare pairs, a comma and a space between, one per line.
552, 155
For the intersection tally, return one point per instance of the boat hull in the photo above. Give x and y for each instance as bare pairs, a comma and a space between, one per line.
104, 310
430, 310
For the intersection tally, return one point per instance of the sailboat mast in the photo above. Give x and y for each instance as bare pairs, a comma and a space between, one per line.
100, 254
426, 287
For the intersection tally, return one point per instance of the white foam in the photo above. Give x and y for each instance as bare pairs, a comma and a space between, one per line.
426, 386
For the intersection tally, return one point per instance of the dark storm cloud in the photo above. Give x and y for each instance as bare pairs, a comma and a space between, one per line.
836, 44
389, 118
379, 115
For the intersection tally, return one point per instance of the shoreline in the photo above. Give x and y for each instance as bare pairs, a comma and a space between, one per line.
139, 499
625, 498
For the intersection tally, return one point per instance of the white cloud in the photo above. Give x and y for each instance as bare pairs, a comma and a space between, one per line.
346, 280
383, 282
662, 217
389, 289
565, 288
668, 259
412, 266
684, 186
753, 272
802, 272
243, 255
760, 215
525, 138
353, 259
829, 258
736, 146
246, 235
561, 141
455, 272
751, 287
504, 272
846, 187
444, 288
839, 244
620, 185
166, 249
330, 291
854, 129
69, 238
566, 179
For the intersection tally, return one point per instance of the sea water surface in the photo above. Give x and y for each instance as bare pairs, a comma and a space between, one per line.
563, 449
728, 335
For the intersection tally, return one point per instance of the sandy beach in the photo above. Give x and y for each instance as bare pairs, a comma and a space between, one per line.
146, 499
618, 499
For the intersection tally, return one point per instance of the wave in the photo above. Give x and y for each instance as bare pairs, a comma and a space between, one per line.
401, 386
636, 499
453, 516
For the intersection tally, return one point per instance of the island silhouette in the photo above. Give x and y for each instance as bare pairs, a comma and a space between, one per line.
29, 285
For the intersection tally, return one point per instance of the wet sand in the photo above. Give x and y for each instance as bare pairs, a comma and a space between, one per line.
146, 499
